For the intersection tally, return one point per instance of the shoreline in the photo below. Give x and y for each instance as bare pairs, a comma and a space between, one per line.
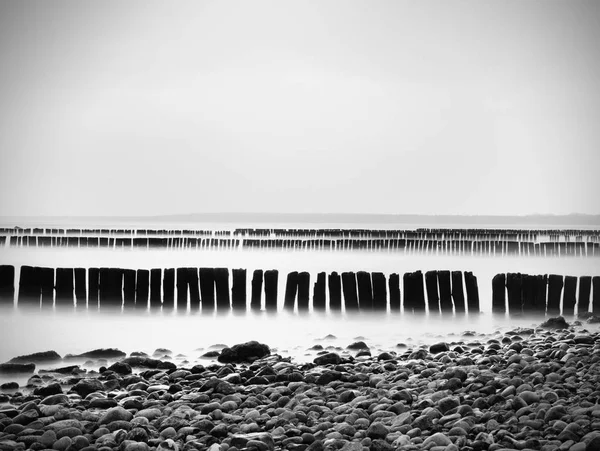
524, 389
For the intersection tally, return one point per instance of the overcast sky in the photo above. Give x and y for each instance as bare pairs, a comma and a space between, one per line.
438, 107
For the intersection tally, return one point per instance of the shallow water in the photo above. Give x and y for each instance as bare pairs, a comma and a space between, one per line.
69, 331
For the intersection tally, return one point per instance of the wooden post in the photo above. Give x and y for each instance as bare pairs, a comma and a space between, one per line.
222, 289
472, 292
142, 288
514, 286
155, 287
80, 287
303, 291
433, 297
93, 287
585, 286
458, 292
394, 286
129, 288
335, 291
207, 288
414, 294
238, 289
596, 299
379, 291
365, 290
257, 282
570, 297
350, 293
499, 293
291, 288
64, 287
271, 277
555, 286
319, 293
7, 284
169, 288
47, 286
445, 291
111, 287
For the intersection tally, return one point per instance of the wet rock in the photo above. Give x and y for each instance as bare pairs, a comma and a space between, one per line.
50, 389
555, 323
377, 431
436, 348
437, 439
244, 352
86, 386
104, 353
357, 345
331, 358
120, 368
37, 357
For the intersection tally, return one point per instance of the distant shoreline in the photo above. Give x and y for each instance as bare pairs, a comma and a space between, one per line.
572, 220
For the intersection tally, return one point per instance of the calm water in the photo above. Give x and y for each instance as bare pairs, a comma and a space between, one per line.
185, 332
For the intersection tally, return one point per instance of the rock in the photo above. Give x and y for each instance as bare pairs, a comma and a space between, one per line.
86, 386
447, 403
9, 386
53, 400
357, 345
14, 368
584, 339
63, 424
64, 370
377, 430
436, 348
120, 368
142, 362
48, 438
593, 319
116, 414
529, 397
51, 389
168, 445
555, 323
555, 413
37, 357
104, 353
103, 403
62, 444
437, 439
244, 352
331, 358
243, 440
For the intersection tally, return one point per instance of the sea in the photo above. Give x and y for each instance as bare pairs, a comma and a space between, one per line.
189, 333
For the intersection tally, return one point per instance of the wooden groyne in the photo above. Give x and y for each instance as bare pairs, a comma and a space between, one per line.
219, 289
552, 294
486, 242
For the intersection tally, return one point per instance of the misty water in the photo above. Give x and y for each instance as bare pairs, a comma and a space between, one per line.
191, 332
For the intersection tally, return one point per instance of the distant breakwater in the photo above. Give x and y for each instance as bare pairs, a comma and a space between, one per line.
482, 242
220, 289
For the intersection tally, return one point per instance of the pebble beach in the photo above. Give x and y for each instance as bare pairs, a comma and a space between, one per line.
526, 389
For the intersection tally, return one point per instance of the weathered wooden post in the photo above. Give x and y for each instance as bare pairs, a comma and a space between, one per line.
129, 288
365, 290
529, 295
238, 289
111, 287
271, 277
155, 287
303, 291
394, 286
7, 284
80, 287
29, 286
596, 298
222, 289
472, 292
555, 286
458, 292
64, 287
514, 287
257, 282
142, 288
414, 294
433, 297
93, 287
291, 287
319, 293
47, 286
570, 297
350, 293
207, 288
169, 288
445, 291
585, 286
379, 291
499, 293
335, 291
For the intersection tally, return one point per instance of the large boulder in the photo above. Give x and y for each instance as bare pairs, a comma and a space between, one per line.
37, 357
244, 352
86, 386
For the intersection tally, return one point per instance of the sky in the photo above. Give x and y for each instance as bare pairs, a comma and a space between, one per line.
402, 107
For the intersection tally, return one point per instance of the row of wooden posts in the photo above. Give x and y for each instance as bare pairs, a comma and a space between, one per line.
420, 233
452, 247
527, 293
210, 288
434, 291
